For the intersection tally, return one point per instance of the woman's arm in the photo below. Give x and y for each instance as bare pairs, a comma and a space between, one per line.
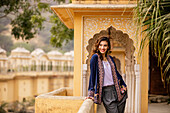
92, 80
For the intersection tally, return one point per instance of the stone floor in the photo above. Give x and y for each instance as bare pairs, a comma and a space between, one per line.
158, 108
152, 108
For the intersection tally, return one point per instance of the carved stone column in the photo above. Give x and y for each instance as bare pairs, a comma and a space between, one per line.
53, 65
1, 67
39, 66
137, 93
46, 66
128, 82
84, 79
133, 85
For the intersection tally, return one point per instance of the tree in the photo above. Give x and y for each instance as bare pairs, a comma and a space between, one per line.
2, 107
6, 42
28, 20
24, 45
60, 33
155, 14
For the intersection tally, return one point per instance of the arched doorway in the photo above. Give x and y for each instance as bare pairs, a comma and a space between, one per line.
122, 49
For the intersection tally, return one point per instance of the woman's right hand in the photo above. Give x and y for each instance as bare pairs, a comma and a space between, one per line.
89, 98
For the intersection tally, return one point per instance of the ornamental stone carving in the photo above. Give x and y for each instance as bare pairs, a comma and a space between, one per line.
114, 35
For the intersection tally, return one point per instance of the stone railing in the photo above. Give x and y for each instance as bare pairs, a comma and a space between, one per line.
62, 101
87, 107
36, 68
103, 1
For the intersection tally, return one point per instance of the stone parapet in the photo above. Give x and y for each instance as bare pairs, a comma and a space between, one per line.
87, 107
103, 1
58, 101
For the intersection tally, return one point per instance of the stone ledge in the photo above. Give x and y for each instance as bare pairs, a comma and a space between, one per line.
58, 101
87, 107
157, 98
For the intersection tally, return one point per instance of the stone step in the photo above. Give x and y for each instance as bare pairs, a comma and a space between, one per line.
157, 98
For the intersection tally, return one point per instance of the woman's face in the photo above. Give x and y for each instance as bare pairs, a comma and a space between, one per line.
103, 46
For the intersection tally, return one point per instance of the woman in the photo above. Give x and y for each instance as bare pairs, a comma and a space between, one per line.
106, 84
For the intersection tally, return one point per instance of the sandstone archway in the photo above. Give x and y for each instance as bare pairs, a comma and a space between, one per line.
114, 35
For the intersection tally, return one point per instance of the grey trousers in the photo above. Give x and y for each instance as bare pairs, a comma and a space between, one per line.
109, 97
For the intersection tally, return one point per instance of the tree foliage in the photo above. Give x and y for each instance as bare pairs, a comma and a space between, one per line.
6, 42
59, 32
2, 107
26, 24
24, 45
155, 14
28, 20
9, 6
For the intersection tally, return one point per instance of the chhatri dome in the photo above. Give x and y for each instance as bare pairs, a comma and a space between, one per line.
71, 53
20, 52
38, 52
54, 52
2, 54
55, 55
2, 51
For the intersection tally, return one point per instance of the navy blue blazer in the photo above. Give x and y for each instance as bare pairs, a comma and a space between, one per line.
96, 78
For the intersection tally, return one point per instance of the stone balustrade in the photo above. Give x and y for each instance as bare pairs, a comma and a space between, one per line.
62, 101
87, 107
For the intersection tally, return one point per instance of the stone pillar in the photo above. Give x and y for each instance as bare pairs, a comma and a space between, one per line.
137, 93
46, 65
84, 80
133, 85
4, 66
57, 66
21, 65
128, 82
1, 67
18, 65
53, 65
29, 65
69, 66
38, 66
62, 66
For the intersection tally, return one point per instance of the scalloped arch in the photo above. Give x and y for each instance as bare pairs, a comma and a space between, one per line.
114, 35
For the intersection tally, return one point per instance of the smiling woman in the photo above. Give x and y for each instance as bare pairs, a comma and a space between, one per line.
105, 80
103, 46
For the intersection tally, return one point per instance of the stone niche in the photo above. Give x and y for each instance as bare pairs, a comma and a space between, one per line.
121, 47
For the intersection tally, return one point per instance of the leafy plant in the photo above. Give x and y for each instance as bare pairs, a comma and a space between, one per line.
60, 33
22, 107
27, 20
2, 107
153, 16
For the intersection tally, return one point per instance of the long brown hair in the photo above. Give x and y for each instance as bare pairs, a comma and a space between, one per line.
96, 46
